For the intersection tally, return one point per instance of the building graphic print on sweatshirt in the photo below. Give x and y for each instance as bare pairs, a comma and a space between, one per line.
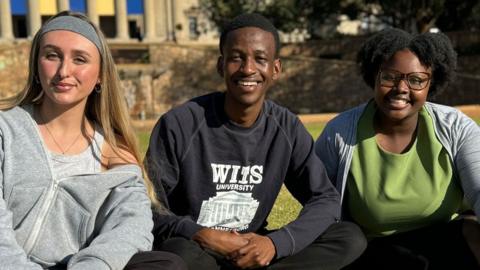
233, 206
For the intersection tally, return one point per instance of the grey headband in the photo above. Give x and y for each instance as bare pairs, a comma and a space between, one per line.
75, 25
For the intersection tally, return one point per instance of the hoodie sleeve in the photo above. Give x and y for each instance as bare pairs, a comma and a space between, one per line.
327, 152
308, 182
466, 139
162, 164
12, 255
124, 226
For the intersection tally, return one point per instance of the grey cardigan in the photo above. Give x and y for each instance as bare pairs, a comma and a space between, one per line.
90, 221
458, 134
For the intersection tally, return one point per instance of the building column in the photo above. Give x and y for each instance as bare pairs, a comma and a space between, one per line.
179, 20
121, 19
34, 21
63, 5
161, 19
92, 12
149, 19
6, 30
170, 21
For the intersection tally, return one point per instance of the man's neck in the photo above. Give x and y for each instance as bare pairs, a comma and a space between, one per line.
242, 115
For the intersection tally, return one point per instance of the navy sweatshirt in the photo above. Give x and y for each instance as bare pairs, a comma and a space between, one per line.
210, 172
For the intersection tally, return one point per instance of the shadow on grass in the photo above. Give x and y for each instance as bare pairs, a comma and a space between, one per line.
286, 208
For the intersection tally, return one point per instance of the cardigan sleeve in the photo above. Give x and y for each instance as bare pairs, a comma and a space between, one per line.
467, 159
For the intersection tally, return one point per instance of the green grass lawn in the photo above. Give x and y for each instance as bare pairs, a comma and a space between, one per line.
315, 129
143, 139
286, 208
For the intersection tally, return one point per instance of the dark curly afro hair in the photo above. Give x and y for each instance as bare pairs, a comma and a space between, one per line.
434, 50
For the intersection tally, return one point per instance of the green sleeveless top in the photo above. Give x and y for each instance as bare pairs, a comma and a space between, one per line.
389, 193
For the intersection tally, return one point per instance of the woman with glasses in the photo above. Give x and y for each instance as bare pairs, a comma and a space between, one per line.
404, 165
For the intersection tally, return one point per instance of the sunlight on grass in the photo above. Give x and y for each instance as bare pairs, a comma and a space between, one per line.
143, 140
315, 129
286, 208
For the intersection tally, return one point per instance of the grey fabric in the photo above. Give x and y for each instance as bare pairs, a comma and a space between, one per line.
73, 24
458, 134
87, 221
88, 161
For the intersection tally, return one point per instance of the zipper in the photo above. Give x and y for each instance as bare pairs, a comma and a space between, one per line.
45, 209
49, 199
52, 192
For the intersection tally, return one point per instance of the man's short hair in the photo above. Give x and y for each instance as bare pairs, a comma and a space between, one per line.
250, 20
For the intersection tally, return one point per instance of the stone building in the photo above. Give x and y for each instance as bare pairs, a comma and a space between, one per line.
169, 63
120, 20
136, 31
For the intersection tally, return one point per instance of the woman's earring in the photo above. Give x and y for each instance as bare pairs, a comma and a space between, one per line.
35, 78
97, 88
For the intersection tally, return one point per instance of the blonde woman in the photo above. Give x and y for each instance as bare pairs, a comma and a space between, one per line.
73, 195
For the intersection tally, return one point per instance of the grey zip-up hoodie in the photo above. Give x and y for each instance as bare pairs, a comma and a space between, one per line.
90, 221
458, 134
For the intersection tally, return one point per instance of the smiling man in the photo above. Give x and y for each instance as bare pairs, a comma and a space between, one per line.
220, 160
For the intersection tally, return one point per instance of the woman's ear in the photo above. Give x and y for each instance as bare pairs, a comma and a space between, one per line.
220, 66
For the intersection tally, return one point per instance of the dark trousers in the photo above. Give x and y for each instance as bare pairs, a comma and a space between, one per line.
155, 260
338, 246
436, 247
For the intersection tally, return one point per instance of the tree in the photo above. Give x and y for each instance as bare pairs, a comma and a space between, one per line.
460, 15
221, 11
286, 15
413, 16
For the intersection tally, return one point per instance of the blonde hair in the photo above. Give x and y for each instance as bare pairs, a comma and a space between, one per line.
107, 108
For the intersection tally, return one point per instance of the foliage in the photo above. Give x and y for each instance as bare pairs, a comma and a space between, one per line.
221, 11
417, 16
286, 15
460, 15
413, 16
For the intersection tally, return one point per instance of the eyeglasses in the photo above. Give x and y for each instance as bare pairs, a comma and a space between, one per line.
415, 80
